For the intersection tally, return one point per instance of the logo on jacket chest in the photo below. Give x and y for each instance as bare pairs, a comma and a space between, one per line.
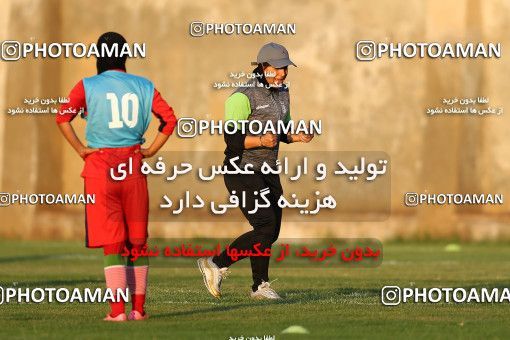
269, 109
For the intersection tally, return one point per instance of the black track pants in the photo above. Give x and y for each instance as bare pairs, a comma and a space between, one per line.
266, 222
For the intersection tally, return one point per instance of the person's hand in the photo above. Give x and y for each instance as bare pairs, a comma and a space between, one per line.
268, 140
85, 151
146, 153
305, 138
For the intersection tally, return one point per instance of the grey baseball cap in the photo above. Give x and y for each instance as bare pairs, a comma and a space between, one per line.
275, 55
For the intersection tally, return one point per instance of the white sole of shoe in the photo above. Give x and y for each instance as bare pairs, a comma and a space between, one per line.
262, 297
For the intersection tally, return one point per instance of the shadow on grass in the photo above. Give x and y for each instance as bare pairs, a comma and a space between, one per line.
89, 282
290, 297
43, 257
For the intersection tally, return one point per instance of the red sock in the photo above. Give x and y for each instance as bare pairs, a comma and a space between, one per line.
117, 308
138, 301
115, 274
137, 273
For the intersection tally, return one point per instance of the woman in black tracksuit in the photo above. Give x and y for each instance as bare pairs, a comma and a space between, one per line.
265, 100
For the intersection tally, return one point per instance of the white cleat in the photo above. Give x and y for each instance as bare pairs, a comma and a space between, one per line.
265, 292
212, 274
137, 316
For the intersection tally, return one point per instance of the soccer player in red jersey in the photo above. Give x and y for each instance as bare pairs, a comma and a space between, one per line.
118, 107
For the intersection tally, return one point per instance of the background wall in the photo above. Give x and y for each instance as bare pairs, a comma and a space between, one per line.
371, 106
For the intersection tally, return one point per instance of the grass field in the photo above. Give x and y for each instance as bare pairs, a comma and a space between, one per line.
329, 303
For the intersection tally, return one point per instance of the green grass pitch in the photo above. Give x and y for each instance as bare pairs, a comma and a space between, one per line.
329, 303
